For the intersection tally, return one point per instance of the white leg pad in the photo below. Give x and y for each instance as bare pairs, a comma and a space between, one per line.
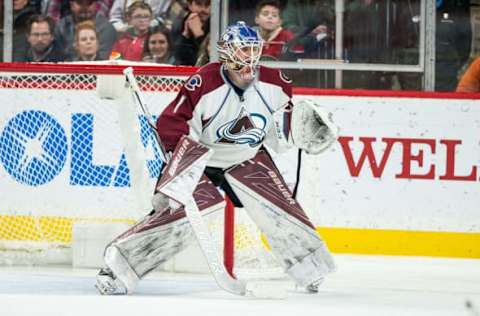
313, 267
121, 268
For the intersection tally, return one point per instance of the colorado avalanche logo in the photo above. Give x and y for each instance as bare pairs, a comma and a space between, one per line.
247, 128
285, 78
194, 82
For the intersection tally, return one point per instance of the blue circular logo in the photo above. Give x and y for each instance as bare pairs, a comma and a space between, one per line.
33, 148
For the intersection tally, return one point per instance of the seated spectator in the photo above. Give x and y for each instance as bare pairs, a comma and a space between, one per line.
83, 10
470, 81
86, 42
158, 46
22, 11
130, 45
196, 27
204, 52
269, 23
43, 47
57, 9
173, 18
311, 21
164, 12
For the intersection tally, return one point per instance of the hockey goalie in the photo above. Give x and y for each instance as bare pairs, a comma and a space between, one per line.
215, 131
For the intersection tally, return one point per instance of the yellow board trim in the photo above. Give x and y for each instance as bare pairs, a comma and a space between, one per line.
402, 242
56, 229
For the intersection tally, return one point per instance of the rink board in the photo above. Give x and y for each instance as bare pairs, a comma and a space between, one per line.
416, 192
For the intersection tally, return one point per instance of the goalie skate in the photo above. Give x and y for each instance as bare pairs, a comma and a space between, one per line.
108, 284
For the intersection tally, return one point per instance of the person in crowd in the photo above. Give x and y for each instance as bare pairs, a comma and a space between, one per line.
57, 9
366, 25
311, 21
240, 10
40, 36
158, 46
203, 52
196, 28
452, 42
470, 81
86, 42
164, 12
130, 45
82, 10
405, 40
23, 10
269, 22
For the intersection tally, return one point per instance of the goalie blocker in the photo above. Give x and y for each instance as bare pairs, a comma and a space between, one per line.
166, 231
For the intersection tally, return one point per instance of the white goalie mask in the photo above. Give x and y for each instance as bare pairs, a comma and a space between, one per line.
240, 48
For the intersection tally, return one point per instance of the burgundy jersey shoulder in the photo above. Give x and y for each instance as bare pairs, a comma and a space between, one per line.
276, 77
205, 80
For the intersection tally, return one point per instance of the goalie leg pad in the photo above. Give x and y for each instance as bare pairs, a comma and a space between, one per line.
291, 235
312, 269
165, 232
147, 245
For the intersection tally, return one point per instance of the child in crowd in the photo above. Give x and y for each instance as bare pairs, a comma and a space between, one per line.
130, 45
269, 22
86, 42
158, 46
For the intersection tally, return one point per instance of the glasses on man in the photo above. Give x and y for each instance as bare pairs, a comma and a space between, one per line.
46, 34
141, 17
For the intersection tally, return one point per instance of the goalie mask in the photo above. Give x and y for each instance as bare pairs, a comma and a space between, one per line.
240, 48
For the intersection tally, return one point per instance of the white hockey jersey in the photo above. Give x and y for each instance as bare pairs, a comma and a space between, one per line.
234, 125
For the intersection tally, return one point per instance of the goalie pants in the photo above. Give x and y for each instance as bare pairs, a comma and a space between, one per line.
267, 200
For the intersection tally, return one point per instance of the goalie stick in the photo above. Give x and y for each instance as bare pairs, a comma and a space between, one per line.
209, 249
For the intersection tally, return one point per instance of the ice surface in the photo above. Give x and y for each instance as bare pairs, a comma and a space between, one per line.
363, 285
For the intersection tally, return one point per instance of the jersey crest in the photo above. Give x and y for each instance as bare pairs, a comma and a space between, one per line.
285, 78
194, 82
246, 128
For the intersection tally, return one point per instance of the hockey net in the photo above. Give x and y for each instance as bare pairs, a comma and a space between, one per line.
70, 153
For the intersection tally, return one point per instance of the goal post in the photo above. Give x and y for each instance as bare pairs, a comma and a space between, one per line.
75, 149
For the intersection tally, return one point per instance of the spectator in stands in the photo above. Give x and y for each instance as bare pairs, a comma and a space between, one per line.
86, 42
203, 52
470, 81
366, 23
164, 12
82, 10
158, 46
267, 17
130, 44
196, 27
57, 9
23, 10
43, 47
452, 42
311, 21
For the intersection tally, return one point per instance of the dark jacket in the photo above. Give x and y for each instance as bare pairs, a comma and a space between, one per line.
53, 54
19, 37
186, 49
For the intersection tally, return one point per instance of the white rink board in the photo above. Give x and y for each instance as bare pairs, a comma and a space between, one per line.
389, 202
331, 194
